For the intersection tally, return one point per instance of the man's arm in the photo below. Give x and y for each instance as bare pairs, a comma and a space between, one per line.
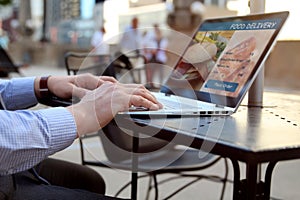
28, 136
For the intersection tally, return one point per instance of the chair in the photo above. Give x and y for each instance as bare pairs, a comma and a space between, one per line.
7, 65
76, 62
124, 68
155, 157
130, 67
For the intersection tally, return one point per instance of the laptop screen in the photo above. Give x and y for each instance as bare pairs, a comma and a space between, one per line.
224, 57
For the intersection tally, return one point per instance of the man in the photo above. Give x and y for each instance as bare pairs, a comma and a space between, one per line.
101, 48
131, 38
98, 43
27, 137
130, 45
154, 47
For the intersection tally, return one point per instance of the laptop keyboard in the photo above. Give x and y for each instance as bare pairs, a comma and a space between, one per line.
169, 104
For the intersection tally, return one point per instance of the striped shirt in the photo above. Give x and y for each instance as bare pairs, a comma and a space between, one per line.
29, 136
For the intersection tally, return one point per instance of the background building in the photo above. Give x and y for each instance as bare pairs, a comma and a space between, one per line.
65, 24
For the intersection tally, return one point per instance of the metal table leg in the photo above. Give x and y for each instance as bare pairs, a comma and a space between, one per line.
251, 181
268, 178
134, 171
236, 179
252, 187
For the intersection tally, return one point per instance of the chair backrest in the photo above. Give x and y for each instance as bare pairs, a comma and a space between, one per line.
86, 62
6, 63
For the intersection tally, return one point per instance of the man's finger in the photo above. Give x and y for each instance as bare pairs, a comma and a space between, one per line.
140, 101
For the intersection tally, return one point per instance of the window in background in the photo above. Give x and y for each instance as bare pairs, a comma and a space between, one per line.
86, 7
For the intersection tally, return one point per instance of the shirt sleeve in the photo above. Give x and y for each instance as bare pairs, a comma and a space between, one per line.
27, 137
18, 93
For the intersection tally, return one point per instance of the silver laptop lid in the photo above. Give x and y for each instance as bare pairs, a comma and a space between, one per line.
224, 58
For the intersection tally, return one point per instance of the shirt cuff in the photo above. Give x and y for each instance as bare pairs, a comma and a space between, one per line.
23, 92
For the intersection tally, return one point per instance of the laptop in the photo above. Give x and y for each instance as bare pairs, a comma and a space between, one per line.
218, 66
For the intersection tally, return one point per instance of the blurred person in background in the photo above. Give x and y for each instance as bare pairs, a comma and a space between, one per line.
131, 38
98, 43
154, 48
4, 39
130, 45
101, 47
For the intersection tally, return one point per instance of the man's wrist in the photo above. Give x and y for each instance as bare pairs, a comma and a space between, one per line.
42, 91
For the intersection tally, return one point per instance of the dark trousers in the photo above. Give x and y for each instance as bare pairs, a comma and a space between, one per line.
67, 181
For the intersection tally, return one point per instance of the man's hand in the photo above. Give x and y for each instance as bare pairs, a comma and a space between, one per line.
98, 107
68, 86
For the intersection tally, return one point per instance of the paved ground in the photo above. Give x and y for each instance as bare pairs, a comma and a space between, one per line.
285, 182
